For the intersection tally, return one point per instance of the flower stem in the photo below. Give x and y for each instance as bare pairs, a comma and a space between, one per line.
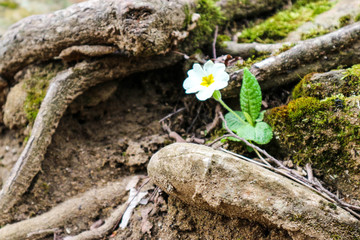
217, 97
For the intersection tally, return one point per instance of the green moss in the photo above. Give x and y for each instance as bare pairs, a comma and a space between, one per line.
315, 32
278, 26
285, 47
252, 60
357, 18
9, 4
345, 82
221, 39
297, 218
344, 20
353, 72
36, 86
300, 89
210, 16
318, 132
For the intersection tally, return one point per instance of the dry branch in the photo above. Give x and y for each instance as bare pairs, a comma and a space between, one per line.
82, 207
111, 223
320, 54
246, 50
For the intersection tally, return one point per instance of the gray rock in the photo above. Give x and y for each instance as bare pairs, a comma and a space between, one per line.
14, 113
327, 20
221, 183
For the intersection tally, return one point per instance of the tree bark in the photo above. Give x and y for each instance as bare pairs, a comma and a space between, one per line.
83, 206
135, 27
245, 9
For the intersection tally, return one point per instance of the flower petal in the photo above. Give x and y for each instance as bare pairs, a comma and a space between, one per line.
220, 84
204, 94
208, 67
221, 76
217, 67
197, 69
191, 83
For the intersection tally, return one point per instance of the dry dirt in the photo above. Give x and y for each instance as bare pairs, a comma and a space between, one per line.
116, 139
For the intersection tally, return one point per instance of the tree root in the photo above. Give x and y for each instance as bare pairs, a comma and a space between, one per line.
43, 37
246, 50
63, 89
320, 54
84, 207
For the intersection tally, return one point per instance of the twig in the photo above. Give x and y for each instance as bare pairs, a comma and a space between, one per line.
262, 159
128, 204
186, 57
309, 172
195, 118
214, 41
247, 159
277, 162
215, 121
172, 134
171, 114
281, 172
218, 139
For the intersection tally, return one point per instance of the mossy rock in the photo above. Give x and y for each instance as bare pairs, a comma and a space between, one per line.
25, 97
208, 16
322, 85
278, 26
321, 126
325, 133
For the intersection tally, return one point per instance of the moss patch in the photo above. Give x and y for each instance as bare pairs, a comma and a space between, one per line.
345, 82
319, 132
36, 84
9, 4
281, 24
315, 32
210, 16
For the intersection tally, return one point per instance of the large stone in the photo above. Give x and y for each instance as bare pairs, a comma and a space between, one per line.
343, 10
321, 126
14, 113
221, 183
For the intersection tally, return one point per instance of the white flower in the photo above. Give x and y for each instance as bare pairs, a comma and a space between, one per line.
204, 81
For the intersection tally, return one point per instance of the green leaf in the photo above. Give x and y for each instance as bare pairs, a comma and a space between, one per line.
250, 95
217, 95
248, 118
261, 116
232, 121
230, 139
261, 133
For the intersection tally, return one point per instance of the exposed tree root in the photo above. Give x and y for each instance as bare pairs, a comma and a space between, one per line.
246, 50
320, 54
63, 89
84, 207
245, 9
110, 23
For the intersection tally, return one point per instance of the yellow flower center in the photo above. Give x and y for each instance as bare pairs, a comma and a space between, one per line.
207, 80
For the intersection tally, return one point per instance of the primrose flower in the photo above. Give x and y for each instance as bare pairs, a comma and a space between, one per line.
204, 81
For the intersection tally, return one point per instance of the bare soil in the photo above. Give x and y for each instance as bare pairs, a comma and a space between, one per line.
116, 139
